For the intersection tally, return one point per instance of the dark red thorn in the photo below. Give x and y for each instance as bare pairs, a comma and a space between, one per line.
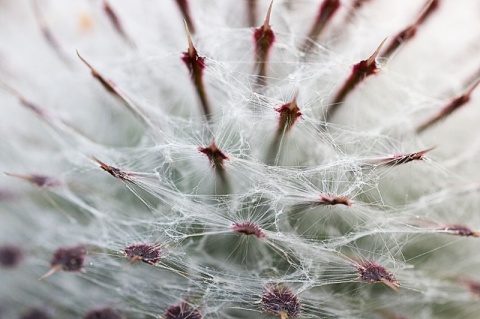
281, 301
372, 272
48, 35
252, 7
184, 8
248, 228
400, 158
461, 230
195, 65
67, 259
289, 113
41, 181
360, 72
451, 107
331, 200
325, 14
263, 38
117, 24
36, 313
182, 311
409, 32
149, 254
115, 91
214, 154
115, 172
10, 256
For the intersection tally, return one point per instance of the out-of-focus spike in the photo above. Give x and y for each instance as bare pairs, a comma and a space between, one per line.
184, 8
52, 271
252, 7
409, 32
325, 14
451, 107
331, 200
196, 65
113, 89
29, 105
48, 35
460, 230
117, 24
263, 38
289, 113
400, 158
360, 72
217, 160
37, 180
355, 7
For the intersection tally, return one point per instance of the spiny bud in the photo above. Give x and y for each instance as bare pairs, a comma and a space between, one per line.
147, 253
281, 301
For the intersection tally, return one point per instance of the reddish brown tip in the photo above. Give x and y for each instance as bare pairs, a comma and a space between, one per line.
372, 272
185, 10
281, 301
248, 228
41, 181
263, 39
115, 172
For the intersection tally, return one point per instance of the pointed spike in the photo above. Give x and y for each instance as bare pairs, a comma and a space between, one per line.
185, 10
266, 24
52, 271
115, 20
427, 10
191, 48
451, 107
390, 284
371, 59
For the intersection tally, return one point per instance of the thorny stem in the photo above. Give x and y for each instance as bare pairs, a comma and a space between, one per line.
360, 72
264, 38
325, 14
451, 107
252, 6
195, 65
117, 24
289, 113
113, 89
48, 35
409, 32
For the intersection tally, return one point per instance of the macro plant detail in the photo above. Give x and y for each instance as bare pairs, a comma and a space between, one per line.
239, 159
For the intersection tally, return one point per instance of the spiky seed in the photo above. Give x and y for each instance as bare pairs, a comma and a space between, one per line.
451, 107
69, 259
41, 181
182, 311
281, 301
372, 272
115, 20
143, 252
289, 113
248, 228
409, 32
360, 72
10, 256
114, 171
105, 313
214, 154
36, 313
330, 199
196, 65
461, 230
263, 38
400, 158
325, 14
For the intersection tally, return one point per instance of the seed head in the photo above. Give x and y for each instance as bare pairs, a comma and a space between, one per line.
281, 301
67, 259
248, 228
10, 256
182, 311
105, 313
147, 253
373, 272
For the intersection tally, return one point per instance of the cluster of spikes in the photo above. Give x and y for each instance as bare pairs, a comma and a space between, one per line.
278, 298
